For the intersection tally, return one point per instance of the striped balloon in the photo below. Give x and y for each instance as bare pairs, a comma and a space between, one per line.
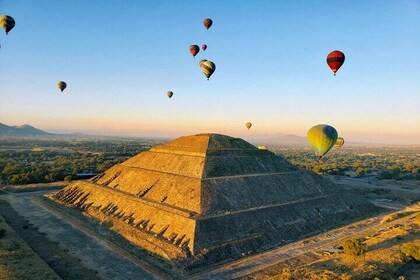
335, 60
322, 137
207, 67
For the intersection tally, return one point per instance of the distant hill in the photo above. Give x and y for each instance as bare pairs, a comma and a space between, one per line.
278, 138
23, 130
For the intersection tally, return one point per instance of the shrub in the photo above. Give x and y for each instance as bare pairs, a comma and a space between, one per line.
411, 249
354, 247
67, 178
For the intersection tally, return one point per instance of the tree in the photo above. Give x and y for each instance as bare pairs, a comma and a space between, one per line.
412, 249
354, 247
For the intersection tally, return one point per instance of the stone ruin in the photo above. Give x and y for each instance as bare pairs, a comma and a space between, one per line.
210, 197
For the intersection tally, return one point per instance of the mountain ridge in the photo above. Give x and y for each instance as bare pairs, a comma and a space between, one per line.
22, 130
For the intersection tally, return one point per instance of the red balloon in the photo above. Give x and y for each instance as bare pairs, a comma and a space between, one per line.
194, 49
207, 23
335, 60
204, 47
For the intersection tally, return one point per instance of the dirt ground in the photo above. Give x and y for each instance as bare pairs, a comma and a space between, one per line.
18, 260
383, 259
64, 264
71, 253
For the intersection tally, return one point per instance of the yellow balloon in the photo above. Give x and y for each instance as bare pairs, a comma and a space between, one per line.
339, 143
207, 67
248, 125
322, 137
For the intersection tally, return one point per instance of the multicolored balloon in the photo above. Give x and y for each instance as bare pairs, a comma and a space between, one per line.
207, 23
335, 60
194, 49
61, 85
204, 47
207, 67
322, 137
248, 125
170, 94
339, 143
7, 23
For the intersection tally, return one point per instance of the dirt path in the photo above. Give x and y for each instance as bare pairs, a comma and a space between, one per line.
67, 249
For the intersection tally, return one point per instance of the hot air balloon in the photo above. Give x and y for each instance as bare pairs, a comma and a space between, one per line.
7, 23
339, 142
61, 85
335, 60
207, 67
322, 137
169, 94
204, 47
194, 49
248, 125
207, 23
262, 147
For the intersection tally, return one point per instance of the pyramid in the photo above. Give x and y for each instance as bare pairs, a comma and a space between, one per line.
212, 195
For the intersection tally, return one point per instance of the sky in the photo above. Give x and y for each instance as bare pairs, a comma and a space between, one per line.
119, 58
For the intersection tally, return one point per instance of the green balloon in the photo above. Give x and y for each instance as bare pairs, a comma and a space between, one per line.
322, 137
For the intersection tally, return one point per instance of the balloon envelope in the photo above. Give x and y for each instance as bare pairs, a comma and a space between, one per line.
194, 49
248, 125
7, 23
322, 137
207, 67
61, 85
339, 142
169, 94
204, 47
207, 23
335, 60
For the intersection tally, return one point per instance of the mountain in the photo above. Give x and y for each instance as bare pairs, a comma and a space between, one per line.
23, 130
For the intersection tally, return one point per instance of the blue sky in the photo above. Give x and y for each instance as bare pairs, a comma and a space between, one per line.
120, 57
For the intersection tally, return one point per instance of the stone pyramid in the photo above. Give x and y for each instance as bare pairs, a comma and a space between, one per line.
212, 195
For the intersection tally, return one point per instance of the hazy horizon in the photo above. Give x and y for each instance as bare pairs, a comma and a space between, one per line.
138, 133
120, 59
